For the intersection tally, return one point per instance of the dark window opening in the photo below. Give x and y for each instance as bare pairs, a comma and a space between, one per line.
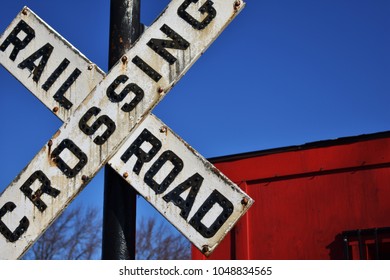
367, 244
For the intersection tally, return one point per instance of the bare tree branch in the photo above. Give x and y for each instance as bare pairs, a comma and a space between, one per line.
155, 241
75, 235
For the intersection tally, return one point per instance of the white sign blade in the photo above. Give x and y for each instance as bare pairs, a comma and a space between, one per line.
184, 187
104, 119
46, 64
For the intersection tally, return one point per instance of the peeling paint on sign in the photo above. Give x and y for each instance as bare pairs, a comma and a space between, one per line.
200, 205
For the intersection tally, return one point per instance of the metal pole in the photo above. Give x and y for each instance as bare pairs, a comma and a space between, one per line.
119, 212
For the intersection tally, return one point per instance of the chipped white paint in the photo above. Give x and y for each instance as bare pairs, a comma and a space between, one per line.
193, 163
90, 75
69, 186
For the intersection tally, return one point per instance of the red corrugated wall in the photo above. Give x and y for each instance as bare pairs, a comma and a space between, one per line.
306, 196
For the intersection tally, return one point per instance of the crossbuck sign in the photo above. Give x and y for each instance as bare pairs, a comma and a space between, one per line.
107, 120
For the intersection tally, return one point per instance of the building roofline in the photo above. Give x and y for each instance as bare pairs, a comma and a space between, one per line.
311, 145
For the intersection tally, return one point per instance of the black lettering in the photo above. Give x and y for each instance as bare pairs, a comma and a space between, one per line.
43, 54
135, 149
76, 151
59, 96
177, 42
227, 209
54, 76
44, 188
156, 167
5, 231
102, 120
194, 182
116, 98
207, 8
14, 40
146, 68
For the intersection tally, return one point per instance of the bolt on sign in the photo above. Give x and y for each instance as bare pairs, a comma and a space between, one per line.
113, 124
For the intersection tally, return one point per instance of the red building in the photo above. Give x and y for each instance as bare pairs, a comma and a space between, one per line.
323, 200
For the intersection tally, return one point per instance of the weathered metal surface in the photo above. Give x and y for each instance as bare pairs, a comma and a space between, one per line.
60, 170
61, 55
307, 197
186, 197
170, 142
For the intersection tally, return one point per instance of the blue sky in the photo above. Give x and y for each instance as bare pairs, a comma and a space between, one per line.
283, 73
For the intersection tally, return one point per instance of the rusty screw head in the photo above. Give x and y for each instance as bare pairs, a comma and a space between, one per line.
90, 67
244, 201
124, 59
205, 249
84, 178
24, 12
125, 175
160, 90
55, 109
163, 129
237, 4
50, 143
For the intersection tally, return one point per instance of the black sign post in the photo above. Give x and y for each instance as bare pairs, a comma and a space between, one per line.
119, 212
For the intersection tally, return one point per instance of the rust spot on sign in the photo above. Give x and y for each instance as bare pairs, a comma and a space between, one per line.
56, 134
49, 144
164, 129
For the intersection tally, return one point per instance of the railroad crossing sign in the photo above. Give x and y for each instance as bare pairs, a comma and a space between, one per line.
106, 119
